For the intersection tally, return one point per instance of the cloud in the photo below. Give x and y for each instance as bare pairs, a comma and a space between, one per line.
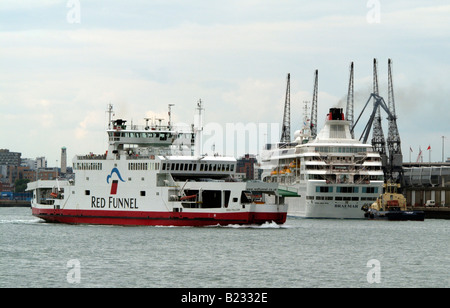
234, 55
8, 5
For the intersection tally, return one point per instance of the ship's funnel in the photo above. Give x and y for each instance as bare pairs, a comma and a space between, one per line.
336, 114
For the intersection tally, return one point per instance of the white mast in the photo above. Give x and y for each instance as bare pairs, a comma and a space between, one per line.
170, 116
111, 112
198, 129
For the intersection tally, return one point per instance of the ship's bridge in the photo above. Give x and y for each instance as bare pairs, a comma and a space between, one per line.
154, 135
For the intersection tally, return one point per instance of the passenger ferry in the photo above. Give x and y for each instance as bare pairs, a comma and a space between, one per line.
334, 175
155, 175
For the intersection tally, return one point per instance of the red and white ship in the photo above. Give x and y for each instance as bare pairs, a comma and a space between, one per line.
151, 175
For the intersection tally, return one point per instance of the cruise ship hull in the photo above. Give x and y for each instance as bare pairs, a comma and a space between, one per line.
324, 210
302, 208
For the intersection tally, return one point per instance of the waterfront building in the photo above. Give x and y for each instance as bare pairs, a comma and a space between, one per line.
427, 181
9, 158
246, 164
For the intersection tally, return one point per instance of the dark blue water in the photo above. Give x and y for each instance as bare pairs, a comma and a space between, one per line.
300, 253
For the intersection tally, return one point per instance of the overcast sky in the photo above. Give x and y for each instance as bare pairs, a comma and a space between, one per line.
63, 61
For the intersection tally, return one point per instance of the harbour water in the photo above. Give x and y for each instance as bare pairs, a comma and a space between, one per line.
300, 253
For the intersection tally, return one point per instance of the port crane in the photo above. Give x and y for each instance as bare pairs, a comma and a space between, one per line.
350, 99
286, 129
314, 105
392, 160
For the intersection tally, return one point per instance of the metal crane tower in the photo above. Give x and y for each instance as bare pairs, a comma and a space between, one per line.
314, 106
393, 140
286, 129
350, 99
378, 141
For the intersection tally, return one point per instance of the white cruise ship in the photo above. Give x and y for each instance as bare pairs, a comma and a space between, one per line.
334, 174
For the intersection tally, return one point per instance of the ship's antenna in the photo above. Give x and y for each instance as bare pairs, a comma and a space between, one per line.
199, 129
170, 116
111, 114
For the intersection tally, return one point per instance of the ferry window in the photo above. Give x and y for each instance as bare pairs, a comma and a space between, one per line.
227, 197
195, 167
186, 167
177, 165
232, 168
245, 197
164, 166
190, 167
201, 167
172, 167
142, 193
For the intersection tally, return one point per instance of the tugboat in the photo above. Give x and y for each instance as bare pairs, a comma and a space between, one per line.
391, 205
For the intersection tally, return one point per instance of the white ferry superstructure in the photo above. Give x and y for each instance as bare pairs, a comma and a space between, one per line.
150, 176
334, 175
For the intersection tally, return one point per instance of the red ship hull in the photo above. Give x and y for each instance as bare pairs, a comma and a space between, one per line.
156, 218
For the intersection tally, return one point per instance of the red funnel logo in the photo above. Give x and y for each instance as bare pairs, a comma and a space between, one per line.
114, 187
114, 183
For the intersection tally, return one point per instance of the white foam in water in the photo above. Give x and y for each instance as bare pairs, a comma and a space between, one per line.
266, 225
21, 221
